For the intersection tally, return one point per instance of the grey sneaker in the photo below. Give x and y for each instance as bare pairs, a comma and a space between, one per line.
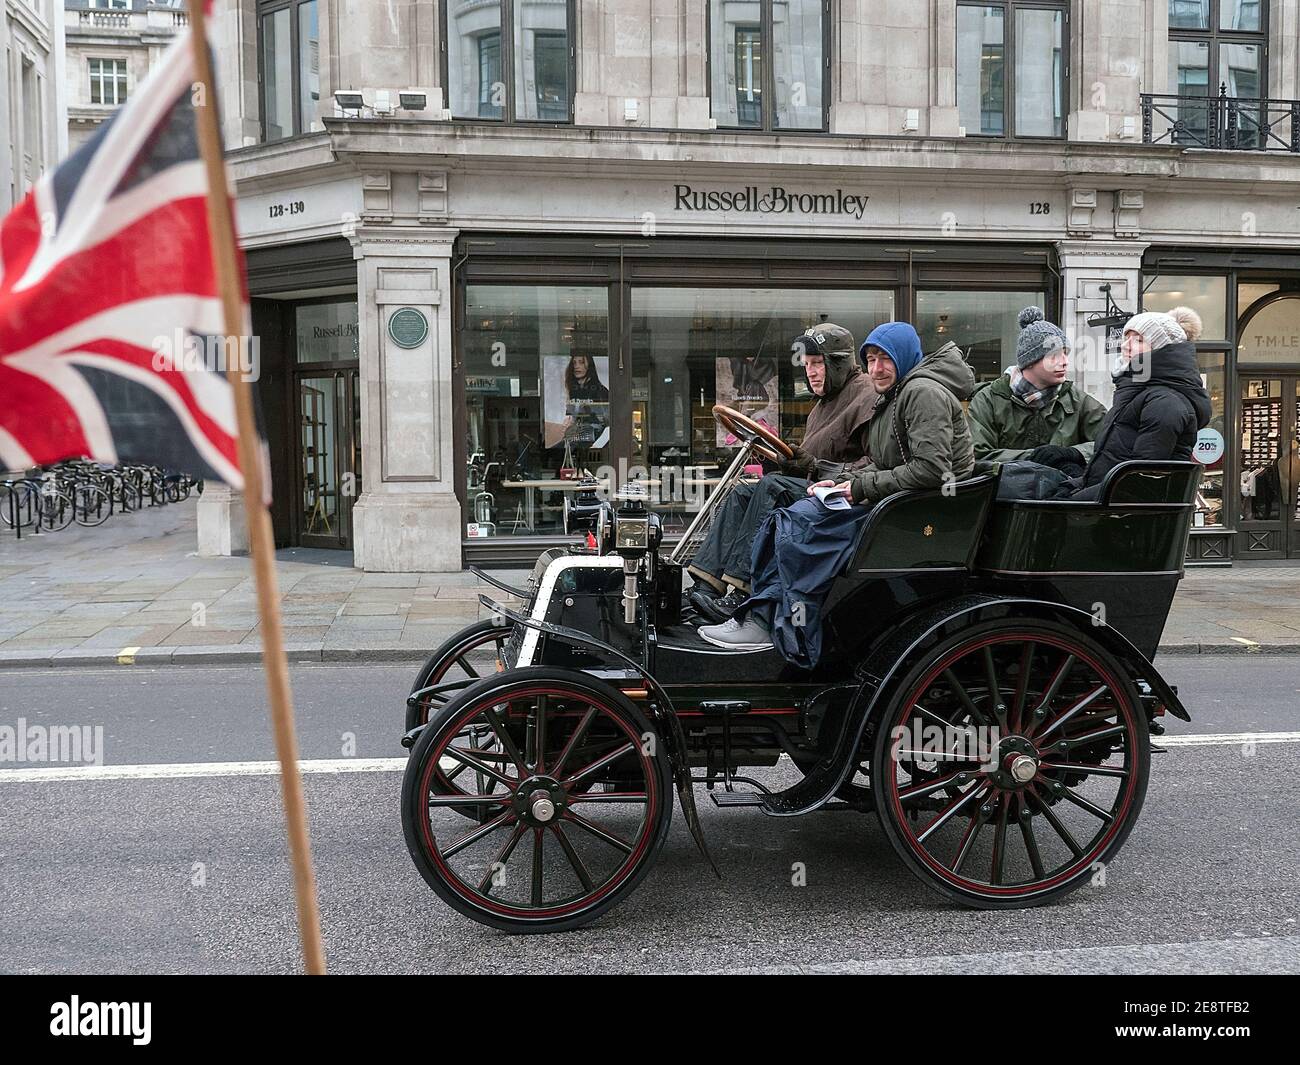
734, 635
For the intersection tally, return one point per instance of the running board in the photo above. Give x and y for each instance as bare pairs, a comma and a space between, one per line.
737, 798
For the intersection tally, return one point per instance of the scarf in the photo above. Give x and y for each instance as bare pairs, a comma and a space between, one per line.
1031, 396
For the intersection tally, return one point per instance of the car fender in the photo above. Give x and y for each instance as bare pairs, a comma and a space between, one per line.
890, 659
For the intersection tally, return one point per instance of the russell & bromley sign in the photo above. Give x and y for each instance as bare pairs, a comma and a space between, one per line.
752, 199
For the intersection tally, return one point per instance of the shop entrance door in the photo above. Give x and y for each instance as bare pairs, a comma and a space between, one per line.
329, 457
1269, 485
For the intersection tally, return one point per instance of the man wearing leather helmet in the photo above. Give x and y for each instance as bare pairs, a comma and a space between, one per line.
833, 446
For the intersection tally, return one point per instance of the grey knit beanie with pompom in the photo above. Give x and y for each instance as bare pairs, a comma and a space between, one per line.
1038, 337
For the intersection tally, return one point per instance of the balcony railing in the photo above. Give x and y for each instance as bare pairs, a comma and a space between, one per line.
1230, 123
118, 20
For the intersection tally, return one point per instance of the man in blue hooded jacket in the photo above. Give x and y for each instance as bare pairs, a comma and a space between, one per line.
918, 438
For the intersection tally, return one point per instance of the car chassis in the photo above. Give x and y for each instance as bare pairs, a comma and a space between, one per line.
986, 689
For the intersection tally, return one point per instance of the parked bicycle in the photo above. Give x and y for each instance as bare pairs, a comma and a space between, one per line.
50, 498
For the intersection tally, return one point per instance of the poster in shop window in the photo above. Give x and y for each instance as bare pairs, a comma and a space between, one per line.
575, 400
748, 384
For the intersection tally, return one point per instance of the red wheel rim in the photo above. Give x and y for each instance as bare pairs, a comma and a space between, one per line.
582, 740
1081, 747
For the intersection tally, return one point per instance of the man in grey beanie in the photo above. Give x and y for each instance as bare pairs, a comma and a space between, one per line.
1032, 412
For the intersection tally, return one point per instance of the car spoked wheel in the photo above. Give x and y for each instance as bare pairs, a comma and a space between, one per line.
1013, 765
574, 795
471, 654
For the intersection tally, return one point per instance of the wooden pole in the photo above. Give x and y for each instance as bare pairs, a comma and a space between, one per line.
261, 540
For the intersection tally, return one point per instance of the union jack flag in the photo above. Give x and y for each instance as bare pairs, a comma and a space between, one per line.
104, 267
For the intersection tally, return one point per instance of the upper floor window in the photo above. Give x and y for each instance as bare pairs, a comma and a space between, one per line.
1215, 43
112, 5
289, 58
509, 60
1217, 46
1011, 68
107, 81
769, 63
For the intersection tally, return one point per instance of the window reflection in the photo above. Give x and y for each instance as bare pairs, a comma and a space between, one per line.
1240, 15
1207, 296
799, 63
1040, 79
692, 348
743, 63
1209, 499
537, 376
541, 41
277, 76
985, 325
981, 69
1189, 14
308, 65
475, 86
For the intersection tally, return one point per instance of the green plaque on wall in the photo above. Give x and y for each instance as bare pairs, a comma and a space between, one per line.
408, 327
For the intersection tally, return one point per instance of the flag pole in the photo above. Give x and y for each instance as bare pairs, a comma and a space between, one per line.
261, 540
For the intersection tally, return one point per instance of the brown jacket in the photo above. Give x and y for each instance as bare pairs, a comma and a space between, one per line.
837, 427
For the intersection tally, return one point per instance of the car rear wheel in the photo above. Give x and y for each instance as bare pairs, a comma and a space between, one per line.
1011, 764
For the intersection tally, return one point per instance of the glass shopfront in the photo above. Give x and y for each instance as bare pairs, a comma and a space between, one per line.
536, 375
983, 323
579, 358
694, 347
326, 380
1249, 355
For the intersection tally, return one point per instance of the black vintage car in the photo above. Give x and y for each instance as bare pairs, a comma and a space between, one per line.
986, 689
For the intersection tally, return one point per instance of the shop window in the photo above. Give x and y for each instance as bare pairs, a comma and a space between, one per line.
1214, 46
289, 44
107, 81
1271, 336
984, 324
1209, 499
530, 38
1248, 292
326, 332
1207, 296
537, 379
1011, 67
768, 63
694, 347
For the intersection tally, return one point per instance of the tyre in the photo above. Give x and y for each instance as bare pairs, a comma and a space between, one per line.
1011, 763
454, 666
91, 505
577, 801
54, 510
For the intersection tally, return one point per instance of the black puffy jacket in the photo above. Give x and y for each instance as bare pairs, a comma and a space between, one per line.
1153, 419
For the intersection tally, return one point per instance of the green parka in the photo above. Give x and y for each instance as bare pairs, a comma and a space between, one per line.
928, 422
1004, 429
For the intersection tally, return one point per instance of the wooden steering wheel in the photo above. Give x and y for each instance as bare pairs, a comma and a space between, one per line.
761, 440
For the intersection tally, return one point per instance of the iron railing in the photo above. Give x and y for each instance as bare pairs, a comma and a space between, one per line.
1230, 123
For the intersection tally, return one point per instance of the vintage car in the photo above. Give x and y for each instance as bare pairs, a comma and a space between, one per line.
986, 689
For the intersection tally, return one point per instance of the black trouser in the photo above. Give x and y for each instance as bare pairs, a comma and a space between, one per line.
724, 557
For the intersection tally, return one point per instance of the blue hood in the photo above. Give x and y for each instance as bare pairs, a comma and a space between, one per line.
899, 341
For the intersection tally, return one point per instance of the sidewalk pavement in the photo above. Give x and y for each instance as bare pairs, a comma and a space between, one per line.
134, 591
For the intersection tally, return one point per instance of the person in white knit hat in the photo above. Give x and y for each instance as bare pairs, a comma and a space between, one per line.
1160, 403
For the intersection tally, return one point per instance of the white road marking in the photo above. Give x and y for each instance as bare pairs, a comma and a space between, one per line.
176, 770
1225, 739
179, 770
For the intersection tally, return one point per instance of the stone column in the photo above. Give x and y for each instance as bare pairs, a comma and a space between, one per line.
407, 518
1086, 265
222, 524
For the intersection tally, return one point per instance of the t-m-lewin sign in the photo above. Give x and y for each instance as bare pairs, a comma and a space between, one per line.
753, 199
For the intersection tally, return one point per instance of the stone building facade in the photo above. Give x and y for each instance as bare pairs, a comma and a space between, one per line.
33, 134
453, 210
112, 45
